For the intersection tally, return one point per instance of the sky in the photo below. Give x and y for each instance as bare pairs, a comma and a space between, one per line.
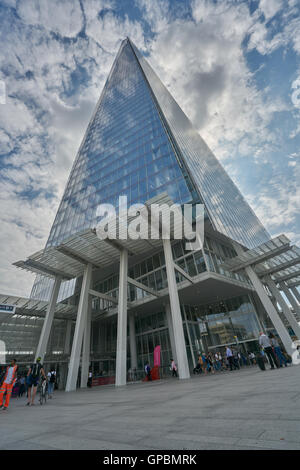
232, 65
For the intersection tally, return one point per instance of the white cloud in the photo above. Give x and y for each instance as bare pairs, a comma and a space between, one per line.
62, 17
156, 12
109, 30
270, 7
203, 64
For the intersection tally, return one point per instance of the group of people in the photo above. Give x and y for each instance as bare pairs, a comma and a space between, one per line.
271, 348
216, 361
231, 358
26, 384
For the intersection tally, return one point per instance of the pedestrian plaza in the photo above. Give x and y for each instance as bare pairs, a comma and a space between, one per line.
244, 409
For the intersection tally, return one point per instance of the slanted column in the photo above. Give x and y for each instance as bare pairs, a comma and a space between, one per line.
85, 362
44, 338
68, 337
190, 340
290, 297
132, 339
268, 306
180, 348
79, 329
296, 293
121, 355
171, 331
285, 308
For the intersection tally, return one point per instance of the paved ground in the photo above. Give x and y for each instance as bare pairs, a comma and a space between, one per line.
246, 409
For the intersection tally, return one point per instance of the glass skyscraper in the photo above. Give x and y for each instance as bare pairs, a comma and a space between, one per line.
139, 143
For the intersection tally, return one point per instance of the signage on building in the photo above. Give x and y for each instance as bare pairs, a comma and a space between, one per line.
5, 308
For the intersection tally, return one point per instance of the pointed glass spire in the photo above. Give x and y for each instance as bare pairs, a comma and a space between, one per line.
139, 143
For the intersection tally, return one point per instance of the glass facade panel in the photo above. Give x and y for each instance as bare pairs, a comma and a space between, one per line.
139, 143
228, 210
125, 151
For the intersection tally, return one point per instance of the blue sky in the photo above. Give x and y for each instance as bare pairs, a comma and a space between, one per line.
233, 66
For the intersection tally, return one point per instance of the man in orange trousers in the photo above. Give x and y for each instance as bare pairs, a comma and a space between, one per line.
8, 383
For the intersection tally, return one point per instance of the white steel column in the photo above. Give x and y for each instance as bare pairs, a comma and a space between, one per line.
189, 338
132, 338
268, 306
171, 332
270, 309
45, 333
85, 361
121, 356
180, 348
68, 337
285, 308
296, 293
290, 297
79, 329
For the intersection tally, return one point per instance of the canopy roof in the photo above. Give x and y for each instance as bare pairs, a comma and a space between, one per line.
276, 258
31, 307
70, 257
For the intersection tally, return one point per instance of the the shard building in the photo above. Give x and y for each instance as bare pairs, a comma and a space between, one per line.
139, 143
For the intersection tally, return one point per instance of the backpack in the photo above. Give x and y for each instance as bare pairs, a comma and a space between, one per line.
52, 378
36, 369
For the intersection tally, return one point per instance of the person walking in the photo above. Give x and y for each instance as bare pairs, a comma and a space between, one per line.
51, 382
173, 368
235, 355
35, 370
265, 343
22, 386
218, 361
9, 381
201, 363
148, 371
229, 356
204, 362
277, 350
90, 379
210, 363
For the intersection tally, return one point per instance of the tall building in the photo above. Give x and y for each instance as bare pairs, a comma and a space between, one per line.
139, 143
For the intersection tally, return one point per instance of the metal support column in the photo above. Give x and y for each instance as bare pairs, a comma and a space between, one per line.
45, 333
79, 329
180, 348
132, 338
290, 298
296, 293
171, 332
121, 356
268, 306
190, 339
68, 337
285, 308
85, 361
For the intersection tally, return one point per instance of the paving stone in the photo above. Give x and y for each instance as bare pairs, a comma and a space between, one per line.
246, 409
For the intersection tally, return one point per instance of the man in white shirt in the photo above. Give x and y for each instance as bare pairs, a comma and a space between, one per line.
229, 356
265, 343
